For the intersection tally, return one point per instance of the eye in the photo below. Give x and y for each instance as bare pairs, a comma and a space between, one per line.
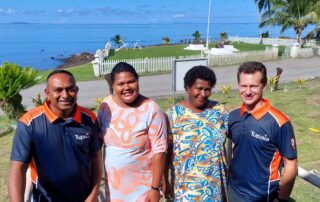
58, 90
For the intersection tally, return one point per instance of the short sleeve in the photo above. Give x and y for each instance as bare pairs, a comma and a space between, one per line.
22, 144
158, 132
286, 142
96, 140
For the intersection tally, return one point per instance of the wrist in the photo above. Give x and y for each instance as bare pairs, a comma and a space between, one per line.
155, 188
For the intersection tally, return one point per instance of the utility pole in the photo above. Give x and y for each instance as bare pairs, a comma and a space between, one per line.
207, 41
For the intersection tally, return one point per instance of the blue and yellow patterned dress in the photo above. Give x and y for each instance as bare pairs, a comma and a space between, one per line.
199, 168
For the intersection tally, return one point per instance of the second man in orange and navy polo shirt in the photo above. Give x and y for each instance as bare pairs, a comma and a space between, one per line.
263, 142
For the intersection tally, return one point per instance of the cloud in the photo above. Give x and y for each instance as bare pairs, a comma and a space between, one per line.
178, 15
8, 11
69, 11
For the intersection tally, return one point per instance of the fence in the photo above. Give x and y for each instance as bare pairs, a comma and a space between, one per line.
270, 41
142, 65
240, 57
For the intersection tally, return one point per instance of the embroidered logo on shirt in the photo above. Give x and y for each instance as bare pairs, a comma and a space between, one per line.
260, 137
82, 137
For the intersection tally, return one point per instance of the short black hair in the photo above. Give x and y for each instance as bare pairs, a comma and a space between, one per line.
122, 67
60, 71
199, 72
251, 68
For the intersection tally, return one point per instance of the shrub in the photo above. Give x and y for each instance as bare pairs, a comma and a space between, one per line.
13, 79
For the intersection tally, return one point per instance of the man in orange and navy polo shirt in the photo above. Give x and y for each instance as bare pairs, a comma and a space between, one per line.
60, 142
263, 142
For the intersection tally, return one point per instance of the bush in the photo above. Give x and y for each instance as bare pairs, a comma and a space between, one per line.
13, 79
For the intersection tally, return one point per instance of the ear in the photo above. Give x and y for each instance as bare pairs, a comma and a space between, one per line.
46, 91
77, 88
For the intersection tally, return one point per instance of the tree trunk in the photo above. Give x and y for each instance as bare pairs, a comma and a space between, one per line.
12, 107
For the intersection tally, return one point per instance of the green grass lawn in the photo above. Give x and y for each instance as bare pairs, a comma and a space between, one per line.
85, 72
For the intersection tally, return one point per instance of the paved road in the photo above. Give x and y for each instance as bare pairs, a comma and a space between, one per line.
161, 85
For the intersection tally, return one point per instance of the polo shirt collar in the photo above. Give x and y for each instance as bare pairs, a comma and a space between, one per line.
52, 117
258, 113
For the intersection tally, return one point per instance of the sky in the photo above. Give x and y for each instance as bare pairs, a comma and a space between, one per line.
127, 11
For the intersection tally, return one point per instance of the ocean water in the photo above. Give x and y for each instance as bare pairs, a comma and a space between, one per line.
42, 46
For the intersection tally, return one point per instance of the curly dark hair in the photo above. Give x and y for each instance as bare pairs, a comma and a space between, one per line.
199, 72
122, 67
251, 68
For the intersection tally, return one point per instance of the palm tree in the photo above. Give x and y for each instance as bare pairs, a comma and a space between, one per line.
13, 79
166, 40
196, 36
264, 5
315, 33
296, 14
117, 40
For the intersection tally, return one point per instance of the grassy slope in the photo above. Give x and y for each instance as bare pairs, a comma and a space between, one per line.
85, 72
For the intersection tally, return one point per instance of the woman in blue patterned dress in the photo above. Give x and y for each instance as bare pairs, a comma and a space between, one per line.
198, 129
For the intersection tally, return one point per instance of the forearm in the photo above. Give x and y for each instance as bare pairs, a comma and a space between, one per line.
158, 165
96, 176
288, 177
17, 181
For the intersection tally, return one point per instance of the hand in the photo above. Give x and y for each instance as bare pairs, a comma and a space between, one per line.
153, 196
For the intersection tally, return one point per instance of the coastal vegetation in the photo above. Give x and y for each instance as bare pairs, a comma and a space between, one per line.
304, 112
290, 14
13, 79
117, 40
196, 36
165, 40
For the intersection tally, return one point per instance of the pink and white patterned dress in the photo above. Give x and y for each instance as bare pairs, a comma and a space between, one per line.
131, 137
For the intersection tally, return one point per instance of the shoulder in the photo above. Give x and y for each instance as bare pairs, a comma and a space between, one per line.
214, 105
279, 117
31, 115
235, 111
87, 113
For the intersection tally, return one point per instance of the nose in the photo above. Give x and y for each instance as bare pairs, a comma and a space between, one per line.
64, 93
247, 90
126, 87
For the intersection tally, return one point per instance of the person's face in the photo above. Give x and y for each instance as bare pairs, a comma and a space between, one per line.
62, 93
199, 94
126, 87
251, 90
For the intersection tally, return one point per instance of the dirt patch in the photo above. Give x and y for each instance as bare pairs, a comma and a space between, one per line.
76, 59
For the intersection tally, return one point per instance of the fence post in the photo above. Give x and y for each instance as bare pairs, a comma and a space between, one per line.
95, 64
275, 48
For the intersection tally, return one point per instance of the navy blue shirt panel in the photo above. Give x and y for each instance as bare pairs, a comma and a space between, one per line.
257, 143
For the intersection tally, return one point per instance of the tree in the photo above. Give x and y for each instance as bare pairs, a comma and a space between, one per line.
315, 33
264, 5
196, 36
166, 40
296, 14
117, 40
13, 79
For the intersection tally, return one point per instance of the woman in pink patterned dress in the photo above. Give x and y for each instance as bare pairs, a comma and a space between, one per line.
133, 129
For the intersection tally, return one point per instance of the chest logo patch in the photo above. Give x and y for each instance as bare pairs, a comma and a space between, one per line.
260, 137
82, 137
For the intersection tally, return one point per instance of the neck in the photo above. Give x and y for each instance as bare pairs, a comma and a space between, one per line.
251, 108
64, 114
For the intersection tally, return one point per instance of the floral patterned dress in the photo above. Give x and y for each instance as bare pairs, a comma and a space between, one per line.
131, 137
199, 168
